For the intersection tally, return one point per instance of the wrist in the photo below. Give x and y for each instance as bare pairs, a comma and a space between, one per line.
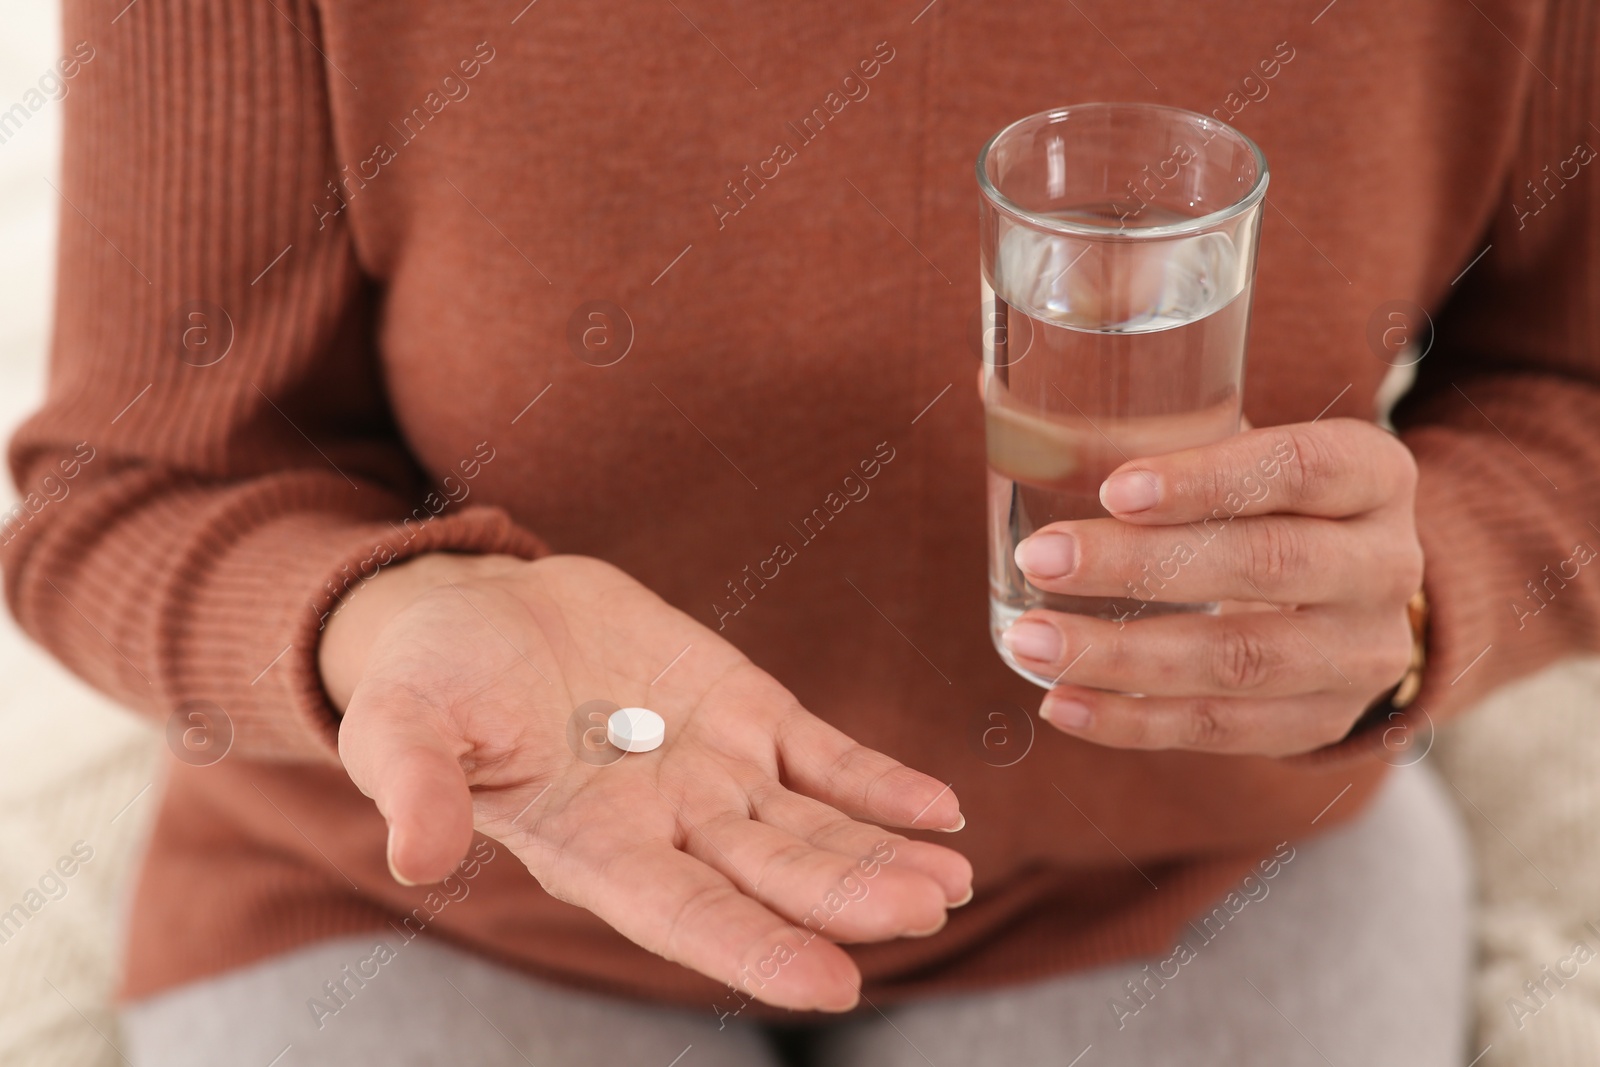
361, 615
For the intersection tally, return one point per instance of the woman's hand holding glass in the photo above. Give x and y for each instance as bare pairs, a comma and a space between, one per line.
1306, 533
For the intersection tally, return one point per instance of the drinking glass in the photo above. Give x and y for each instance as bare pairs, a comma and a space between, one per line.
1118, 260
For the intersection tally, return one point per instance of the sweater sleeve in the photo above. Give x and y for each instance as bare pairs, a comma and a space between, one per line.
215, 462
1504, 418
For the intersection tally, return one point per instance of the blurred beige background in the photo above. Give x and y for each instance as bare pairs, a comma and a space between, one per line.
70, 762
75, 769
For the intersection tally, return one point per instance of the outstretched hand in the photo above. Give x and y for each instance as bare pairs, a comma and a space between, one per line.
461, 676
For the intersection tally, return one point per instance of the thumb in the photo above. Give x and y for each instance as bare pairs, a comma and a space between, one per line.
396, 753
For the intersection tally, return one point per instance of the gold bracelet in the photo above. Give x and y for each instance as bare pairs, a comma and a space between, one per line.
1411, 683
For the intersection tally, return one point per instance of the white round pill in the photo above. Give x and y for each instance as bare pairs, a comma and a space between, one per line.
636, 729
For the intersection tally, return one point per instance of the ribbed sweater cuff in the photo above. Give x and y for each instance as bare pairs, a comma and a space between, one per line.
283, 579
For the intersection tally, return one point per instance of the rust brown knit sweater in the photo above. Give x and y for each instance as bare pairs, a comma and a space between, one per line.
319, 258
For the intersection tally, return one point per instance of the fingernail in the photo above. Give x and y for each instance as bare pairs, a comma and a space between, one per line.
1032, 639
844, 1006
964, 900
944, 917
393, 873
1051, 555
961, 820
1068, 714
1130, 491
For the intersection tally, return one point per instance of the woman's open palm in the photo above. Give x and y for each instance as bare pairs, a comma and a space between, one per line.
713, 850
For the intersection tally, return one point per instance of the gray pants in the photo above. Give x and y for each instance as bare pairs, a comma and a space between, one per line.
1357, 955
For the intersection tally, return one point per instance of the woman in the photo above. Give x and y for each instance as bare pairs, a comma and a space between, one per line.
446, 371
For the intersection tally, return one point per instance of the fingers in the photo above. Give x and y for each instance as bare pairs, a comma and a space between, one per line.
822, 762
846, 898
1277, 558
672, 904
1222, 725
1333, 468
1267, 653
395, 756
824, 827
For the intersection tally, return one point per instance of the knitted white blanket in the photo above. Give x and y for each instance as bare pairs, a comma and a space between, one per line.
1523, 767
